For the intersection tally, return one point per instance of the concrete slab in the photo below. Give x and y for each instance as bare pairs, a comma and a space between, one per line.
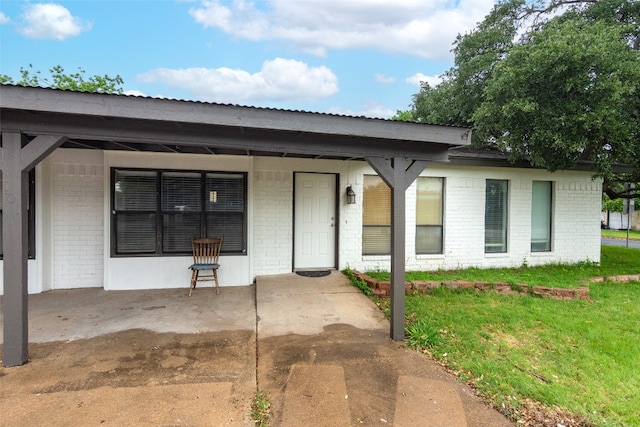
159, 356
421, 403
320, 339
189, 405
66, 315
289, 303
312, 392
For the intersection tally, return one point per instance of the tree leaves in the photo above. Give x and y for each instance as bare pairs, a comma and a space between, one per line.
58, 79
552, 82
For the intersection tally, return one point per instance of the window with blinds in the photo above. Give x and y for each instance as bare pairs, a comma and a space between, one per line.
429, 205
158, 212
495, 216
376, 216
541, 216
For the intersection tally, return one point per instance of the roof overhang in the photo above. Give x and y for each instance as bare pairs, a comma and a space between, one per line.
119, 122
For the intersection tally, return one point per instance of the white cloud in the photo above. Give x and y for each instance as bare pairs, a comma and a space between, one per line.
134, 92
418, 78
372, 109
278, 80
382, 78
4, 19
416, 27
51, 21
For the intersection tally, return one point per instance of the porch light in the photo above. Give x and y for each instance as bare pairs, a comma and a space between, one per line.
351, 196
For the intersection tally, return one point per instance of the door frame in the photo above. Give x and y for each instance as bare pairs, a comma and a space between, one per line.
336, 216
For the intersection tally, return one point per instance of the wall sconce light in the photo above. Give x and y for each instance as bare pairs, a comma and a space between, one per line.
351, 196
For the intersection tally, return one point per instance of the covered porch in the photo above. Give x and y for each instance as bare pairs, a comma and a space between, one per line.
36, 122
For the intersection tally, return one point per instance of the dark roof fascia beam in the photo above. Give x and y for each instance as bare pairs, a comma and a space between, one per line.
144, 132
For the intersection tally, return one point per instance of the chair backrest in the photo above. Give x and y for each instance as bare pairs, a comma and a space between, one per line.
206, 250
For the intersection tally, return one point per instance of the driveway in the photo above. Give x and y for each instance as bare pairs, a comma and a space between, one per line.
317, 347
620, 242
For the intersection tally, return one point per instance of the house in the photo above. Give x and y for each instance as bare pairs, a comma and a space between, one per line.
106, 191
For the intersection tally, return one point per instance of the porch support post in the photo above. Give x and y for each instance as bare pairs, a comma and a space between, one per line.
398, 177
16, 162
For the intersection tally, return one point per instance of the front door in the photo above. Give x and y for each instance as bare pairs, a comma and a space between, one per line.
315, 221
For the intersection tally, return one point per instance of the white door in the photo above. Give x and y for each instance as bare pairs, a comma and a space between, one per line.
315, 221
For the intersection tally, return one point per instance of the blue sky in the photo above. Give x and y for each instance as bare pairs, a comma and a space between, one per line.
354, 57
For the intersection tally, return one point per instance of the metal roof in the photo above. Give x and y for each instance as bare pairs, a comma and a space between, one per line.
122, 122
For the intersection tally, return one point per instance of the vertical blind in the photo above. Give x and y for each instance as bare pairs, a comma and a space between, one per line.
429, 195
376, 216
495, 216
541, 193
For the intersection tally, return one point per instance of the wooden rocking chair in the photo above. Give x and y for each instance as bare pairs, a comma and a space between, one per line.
205, 257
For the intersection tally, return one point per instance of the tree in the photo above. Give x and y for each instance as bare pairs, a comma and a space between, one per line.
553, 83
58, 79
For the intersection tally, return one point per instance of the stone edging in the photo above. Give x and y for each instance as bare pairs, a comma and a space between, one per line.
382, 288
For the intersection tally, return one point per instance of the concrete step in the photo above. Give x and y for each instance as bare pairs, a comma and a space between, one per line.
316, 395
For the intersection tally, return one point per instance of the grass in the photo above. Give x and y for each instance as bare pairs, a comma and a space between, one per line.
614, 260
621, 234
579, 356
260, 410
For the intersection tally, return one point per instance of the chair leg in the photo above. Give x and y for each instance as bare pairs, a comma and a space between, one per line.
194, 279
215, 276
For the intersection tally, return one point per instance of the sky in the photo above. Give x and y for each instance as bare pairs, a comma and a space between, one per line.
351, 57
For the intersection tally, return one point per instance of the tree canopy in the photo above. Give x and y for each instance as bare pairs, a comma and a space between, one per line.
553, 82
58, 79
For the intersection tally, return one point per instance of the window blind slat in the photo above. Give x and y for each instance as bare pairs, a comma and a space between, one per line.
181, 192
376, 216
376, 201
135, 233
135, 191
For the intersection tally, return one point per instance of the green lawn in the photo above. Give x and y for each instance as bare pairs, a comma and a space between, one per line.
583, 356
614, 261
621, 234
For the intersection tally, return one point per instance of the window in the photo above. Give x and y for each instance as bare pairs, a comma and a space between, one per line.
31, 215
429, 204
541, 193
376, 216
158, 212
495, 216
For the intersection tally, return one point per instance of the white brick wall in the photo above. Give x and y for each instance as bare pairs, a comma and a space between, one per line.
576, 220
75, 207
78, 200
272, 222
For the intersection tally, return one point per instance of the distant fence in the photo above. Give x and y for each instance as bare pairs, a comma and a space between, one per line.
619, 221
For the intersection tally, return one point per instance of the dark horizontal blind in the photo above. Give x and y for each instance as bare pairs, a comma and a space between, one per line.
135, 191
225, 200
135, 205
181, 210
158, 212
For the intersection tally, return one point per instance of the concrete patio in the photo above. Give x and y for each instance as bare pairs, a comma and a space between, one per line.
317, 347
